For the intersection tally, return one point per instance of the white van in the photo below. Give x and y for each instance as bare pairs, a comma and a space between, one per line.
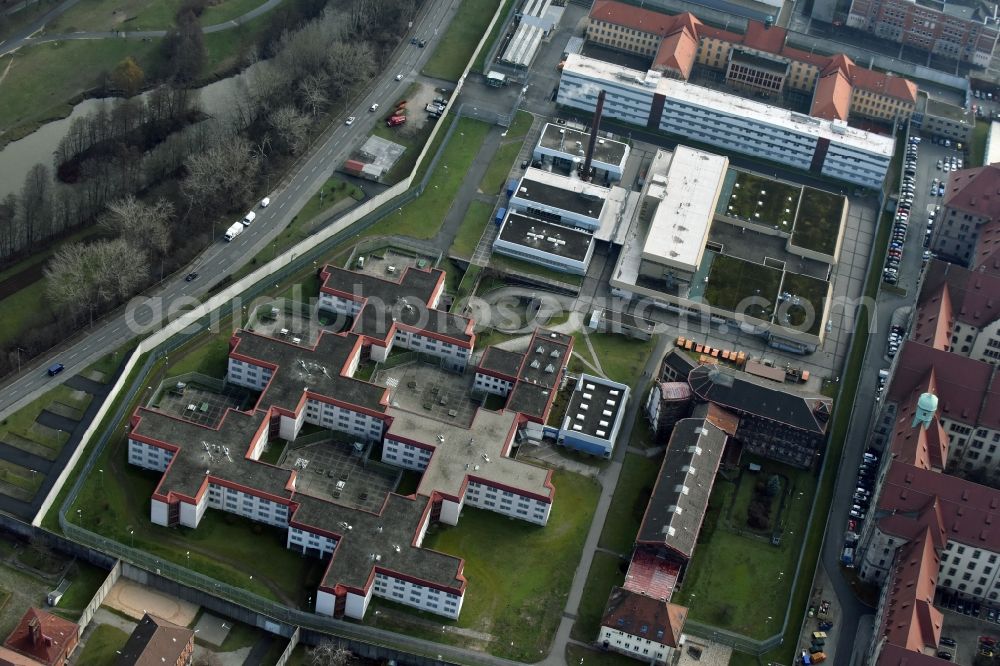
250, 217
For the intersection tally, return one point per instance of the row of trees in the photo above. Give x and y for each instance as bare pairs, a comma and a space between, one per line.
156, 175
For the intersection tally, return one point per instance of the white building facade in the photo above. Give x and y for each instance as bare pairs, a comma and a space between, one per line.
728, 121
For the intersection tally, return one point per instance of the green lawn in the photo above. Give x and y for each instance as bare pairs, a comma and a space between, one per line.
481, 65
105, 15
807, 315
977, 144
495, 178
225, 547
761, 200
731, 281
605, 573
635, 485
473, 225
24, 310
20, 429
85, 579
510, 596
621, 358
722, 585
422, 217
44, 78
102, 645
458, 44
519, 267
333, 191
207, 354
818, 223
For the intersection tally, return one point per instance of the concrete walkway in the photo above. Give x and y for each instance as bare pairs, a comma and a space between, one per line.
469, 190
609, 481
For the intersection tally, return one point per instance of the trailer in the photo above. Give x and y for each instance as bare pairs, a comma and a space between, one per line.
498, 218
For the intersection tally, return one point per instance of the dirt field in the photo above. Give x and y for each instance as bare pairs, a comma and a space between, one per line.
134, 600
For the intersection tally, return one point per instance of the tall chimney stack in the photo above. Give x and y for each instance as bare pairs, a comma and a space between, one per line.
585, 174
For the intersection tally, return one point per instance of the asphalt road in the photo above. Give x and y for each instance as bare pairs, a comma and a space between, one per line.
855, 626
223, 258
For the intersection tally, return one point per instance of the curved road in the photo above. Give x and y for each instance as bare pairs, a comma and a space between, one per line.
221, 259
25, 37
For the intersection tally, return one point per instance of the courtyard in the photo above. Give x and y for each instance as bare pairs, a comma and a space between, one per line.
722, 585
741, 286
818, 223
759, 200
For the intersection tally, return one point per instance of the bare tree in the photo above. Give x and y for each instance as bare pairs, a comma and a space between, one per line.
144, 224
291, 128
222, 177
329, 653
36, 200
312, 91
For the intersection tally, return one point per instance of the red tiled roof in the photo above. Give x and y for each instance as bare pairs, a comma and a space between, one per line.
961, 383
832, 98
974, 296
884, 84
910, 619
987, 255
677, 52
926, 448
975, 191
763, 38
710, 32
47, 638
645, 617
805, 56
967, 512
933, 321
637, 18
651, 575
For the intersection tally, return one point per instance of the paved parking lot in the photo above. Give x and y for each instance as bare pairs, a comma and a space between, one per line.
425, 389
966, 632
203, 406
336, 471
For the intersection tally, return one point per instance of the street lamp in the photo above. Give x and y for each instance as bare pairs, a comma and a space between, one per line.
131, 538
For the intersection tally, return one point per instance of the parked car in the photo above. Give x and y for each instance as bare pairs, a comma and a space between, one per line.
949, 642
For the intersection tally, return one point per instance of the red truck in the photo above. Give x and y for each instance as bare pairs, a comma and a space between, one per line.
395, 121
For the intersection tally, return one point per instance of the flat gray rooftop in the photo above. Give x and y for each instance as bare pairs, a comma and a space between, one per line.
546, 237
594, 407
297, 368
532, 188
335, 471
564, 139
381, 540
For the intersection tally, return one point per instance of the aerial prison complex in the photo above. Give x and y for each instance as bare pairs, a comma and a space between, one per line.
706, 414
758, 63
463, 455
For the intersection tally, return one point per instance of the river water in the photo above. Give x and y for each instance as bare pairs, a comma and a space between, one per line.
39, 146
